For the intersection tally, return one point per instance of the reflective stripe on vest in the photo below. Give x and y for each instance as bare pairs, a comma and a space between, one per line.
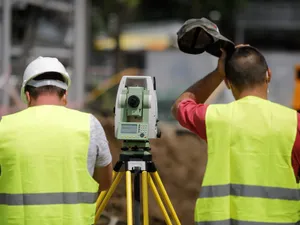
47, 198
239, 222
44, 174
249, 178
249, 191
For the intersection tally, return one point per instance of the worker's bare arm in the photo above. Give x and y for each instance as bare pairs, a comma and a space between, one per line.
103, 175
202, 89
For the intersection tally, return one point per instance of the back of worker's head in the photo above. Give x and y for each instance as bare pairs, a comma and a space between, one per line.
45, 82
247, 69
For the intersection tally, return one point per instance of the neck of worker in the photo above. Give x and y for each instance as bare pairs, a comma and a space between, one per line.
260, 92
46, 100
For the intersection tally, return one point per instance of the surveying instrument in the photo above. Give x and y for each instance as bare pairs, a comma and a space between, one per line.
135, 123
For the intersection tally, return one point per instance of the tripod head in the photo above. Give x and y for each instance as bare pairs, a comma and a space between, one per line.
136, 112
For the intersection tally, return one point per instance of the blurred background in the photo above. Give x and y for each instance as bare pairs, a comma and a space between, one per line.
99, 41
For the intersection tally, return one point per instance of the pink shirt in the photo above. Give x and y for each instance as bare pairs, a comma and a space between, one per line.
192, 116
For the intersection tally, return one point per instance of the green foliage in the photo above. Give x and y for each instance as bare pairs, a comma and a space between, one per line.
103, 8
132, 3
151, 10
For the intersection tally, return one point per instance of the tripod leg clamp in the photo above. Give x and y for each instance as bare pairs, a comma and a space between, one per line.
131, 165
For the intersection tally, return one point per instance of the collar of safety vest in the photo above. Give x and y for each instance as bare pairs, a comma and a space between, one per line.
252, 97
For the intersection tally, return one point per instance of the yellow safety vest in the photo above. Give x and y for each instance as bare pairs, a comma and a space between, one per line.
44, 178
249, 179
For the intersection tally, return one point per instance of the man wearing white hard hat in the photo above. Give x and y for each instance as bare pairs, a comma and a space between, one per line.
53, 160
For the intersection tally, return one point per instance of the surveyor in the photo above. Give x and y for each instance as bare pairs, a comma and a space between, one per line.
253, 152
54, 160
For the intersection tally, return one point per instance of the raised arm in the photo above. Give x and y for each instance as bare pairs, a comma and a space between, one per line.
202, 89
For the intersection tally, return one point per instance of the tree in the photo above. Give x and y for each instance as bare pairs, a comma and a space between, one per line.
154, 10
115, 13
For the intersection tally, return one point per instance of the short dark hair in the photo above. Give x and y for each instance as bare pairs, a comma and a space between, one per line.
246, 67
35, 92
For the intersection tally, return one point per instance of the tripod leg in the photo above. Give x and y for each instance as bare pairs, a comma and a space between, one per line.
145, 197
165, 197
159, 201
103, 193
129, 197
137, 196
108, 195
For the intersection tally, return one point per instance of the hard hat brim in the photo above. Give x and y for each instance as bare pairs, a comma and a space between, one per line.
25, 83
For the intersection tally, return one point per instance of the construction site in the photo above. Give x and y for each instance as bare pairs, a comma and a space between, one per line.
99, 43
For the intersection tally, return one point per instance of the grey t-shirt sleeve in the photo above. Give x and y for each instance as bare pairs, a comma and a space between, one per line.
99, 154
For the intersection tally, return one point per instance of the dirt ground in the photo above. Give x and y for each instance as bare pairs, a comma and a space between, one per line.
180, 158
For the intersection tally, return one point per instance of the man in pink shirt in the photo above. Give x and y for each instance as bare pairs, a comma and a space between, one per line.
247, 75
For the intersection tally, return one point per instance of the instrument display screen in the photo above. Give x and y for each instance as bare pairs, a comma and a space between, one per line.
129, 128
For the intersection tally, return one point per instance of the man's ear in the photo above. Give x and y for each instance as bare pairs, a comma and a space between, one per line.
28, 97
227, 83
268, 75
65, 99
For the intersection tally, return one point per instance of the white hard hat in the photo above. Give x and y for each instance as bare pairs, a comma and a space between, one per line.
43, 65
